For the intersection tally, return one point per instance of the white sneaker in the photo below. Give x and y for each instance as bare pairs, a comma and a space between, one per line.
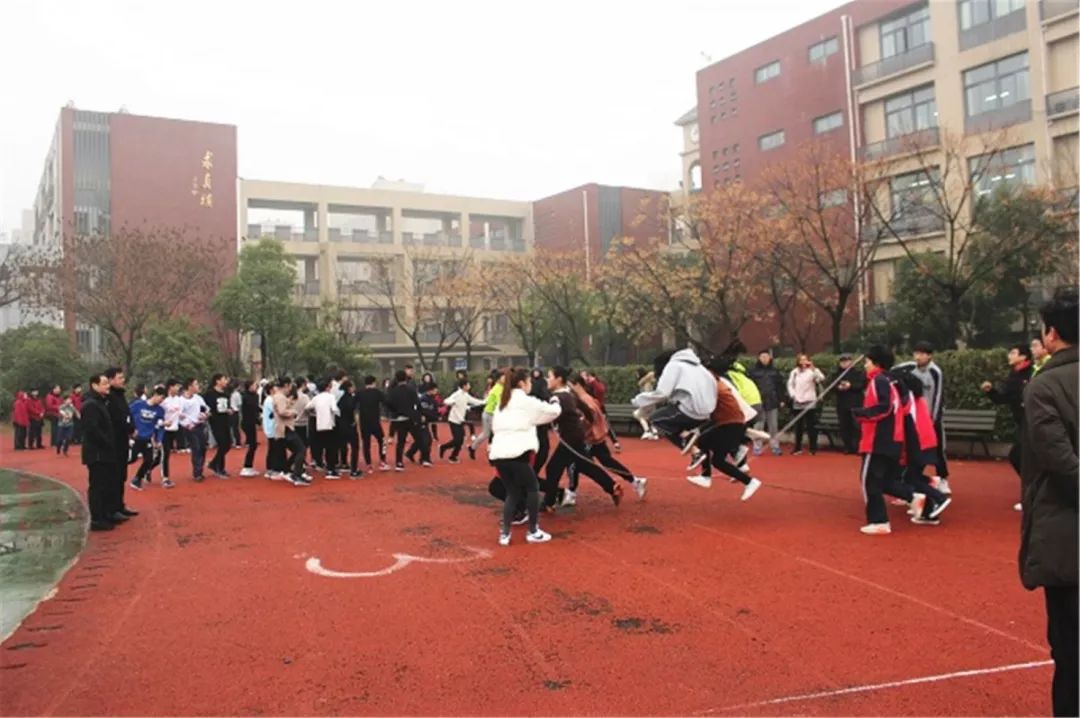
537, 536
918, 503
751, 489
641, 485
940, 484
248, 472
569, 498
925, 522
876, 529
704, 482
504, 539
1018, 507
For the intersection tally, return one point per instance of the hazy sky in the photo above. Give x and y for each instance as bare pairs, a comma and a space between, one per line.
506, 99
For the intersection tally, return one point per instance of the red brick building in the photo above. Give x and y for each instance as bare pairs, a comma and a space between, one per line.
108, 170
589, 217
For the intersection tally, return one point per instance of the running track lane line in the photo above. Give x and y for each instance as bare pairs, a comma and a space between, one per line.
880, 587
881, 686
117, 624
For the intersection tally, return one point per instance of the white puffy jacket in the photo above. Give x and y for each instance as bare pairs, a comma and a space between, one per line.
513, 427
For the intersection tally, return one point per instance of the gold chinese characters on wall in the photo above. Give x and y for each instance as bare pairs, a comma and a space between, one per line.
204, 189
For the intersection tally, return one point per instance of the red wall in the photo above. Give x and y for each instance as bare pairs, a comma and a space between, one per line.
154, 162
559, 221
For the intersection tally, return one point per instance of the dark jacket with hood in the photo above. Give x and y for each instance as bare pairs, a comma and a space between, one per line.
1011, 391
99, 438
1048, 474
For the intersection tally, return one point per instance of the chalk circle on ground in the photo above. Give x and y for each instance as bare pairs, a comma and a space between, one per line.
401, 560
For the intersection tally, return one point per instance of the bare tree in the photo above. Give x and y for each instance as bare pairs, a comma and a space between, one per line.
420, 299
558, 280
823, 243
971, 192
124, 281
515, 297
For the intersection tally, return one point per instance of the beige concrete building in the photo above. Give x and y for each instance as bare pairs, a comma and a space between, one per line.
691, 153
973, 74
343, 237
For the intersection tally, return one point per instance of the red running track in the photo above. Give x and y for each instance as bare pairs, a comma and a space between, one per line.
690, 603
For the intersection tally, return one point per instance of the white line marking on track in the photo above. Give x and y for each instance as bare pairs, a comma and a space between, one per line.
401, 560
881, 686
880, 587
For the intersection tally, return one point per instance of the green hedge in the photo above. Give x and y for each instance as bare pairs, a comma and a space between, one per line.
964, 371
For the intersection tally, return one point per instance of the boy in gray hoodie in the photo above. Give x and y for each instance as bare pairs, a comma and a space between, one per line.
684, 397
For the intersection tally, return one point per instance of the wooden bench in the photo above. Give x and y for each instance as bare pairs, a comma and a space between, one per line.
967, 424
620, 414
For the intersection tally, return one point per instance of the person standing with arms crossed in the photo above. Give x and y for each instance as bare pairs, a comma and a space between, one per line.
121, 419
1049, 466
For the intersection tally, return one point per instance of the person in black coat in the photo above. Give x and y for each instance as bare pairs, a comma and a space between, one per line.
250, 418
349, 439
849, 395
773, 387
122, 429
1010, 392
403, 402
99, 453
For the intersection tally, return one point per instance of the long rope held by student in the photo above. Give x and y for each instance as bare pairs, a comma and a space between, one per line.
858, 360
696, 436
591, 460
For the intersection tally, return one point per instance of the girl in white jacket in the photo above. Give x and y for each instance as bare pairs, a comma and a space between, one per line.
513, 443
459, 404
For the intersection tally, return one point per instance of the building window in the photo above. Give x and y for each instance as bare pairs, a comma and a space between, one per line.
716, 169
723, 115
767, 72
695, 177
725, 152
828, 123
912, 194
910, 112
905, 33
823, 49
980, 12
833, 198
726, 165
720, 85
997, 85
1005, 170
735, 162
771, 141
735, 147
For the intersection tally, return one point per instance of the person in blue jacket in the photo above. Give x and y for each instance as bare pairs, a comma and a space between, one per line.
148, 418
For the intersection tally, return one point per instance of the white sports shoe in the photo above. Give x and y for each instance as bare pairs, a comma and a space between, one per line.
704, 482
248, 472
641, 485
876, 529
1018, 507
504, 539
751, 489
569, 498
918, 503
537, 536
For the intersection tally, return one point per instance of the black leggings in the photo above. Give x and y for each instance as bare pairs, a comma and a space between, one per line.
562, 459
602, 453
720, 442
807, 424
521, 484
457, 439
169, 444
251, 436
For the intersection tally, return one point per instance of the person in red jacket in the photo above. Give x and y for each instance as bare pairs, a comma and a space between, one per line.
37, 419
20, 418
599, 392
53, 401
880, 444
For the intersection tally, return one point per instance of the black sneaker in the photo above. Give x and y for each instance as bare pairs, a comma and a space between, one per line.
354, 474
136, 484
520, 518
118, 518
128, 512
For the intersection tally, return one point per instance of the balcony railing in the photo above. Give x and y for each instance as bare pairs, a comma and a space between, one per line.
1050, 9
912, 142
999, 27
910, 224
1064, 102
892, 65
307, 288
282, 232
387, 337
347, 287
1014, 114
